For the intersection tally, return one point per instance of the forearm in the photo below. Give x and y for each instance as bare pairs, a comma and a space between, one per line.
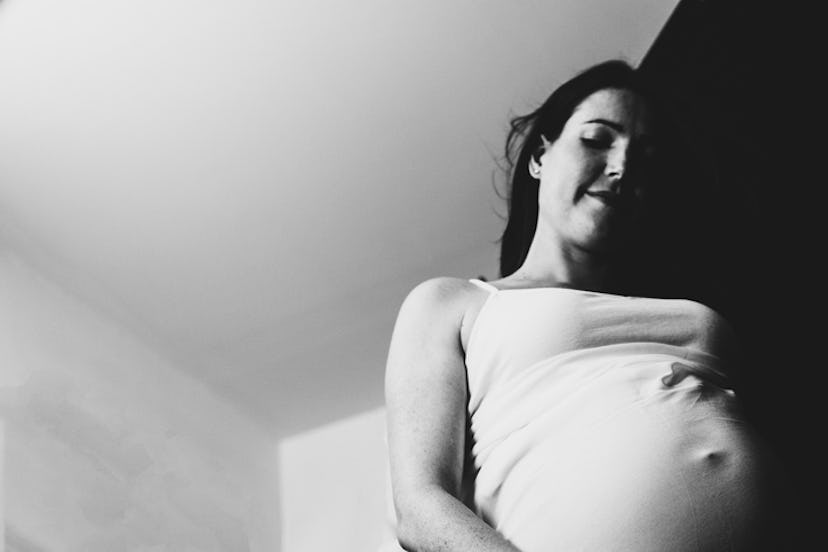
435, 521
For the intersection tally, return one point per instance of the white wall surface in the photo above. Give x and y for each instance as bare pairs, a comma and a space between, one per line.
335, 488
109, 448
2, 486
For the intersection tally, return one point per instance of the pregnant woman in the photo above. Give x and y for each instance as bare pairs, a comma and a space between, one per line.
585, 400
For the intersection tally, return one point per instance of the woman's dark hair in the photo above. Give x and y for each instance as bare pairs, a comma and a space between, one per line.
670, 202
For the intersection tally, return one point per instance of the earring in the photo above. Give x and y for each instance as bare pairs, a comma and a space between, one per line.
535, 164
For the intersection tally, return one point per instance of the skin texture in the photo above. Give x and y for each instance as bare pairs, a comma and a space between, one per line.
592, 178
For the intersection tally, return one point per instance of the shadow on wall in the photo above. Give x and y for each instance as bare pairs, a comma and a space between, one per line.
744, 94
18, 542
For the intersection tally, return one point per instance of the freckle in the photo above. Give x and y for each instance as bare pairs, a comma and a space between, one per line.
713, 456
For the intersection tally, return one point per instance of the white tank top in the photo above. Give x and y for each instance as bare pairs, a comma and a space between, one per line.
598, 421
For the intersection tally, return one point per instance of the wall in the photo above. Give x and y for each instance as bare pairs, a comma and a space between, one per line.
2, 487
108, 447
335, 487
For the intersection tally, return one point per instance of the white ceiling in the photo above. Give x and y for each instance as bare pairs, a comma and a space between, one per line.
252, 187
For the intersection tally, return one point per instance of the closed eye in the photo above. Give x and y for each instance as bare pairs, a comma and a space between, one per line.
596, 143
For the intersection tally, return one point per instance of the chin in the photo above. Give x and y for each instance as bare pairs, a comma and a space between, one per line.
609, 244
607, 238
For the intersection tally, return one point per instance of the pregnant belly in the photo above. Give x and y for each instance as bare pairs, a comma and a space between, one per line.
676, 473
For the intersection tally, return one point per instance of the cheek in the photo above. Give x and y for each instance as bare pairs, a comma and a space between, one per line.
572, 170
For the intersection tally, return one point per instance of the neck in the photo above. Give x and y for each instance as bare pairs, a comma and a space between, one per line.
550, 262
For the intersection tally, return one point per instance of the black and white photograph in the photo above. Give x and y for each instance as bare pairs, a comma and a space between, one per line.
409, 275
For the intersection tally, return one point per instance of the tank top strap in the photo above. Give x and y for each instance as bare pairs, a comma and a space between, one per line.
484, 285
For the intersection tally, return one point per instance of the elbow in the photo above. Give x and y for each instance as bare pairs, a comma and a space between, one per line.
420, 511
412, 536
404, 530
405, 540
411, 510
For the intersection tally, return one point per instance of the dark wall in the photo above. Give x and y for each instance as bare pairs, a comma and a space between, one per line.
738, 79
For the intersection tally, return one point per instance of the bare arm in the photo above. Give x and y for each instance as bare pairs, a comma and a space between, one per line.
425, 388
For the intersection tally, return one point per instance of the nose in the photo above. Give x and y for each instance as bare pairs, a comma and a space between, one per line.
616, 164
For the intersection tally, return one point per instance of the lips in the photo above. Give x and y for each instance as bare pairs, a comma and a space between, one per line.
608, 198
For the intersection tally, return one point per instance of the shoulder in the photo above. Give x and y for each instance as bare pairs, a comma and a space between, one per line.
441, 292
439, 304
426, 341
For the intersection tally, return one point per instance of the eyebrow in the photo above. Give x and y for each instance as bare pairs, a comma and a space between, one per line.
617, 126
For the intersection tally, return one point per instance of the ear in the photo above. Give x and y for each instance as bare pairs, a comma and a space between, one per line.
534, 159
535, 166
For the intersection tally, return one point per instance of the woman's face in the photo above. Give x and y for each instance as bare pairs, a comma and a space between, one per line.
593, 176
